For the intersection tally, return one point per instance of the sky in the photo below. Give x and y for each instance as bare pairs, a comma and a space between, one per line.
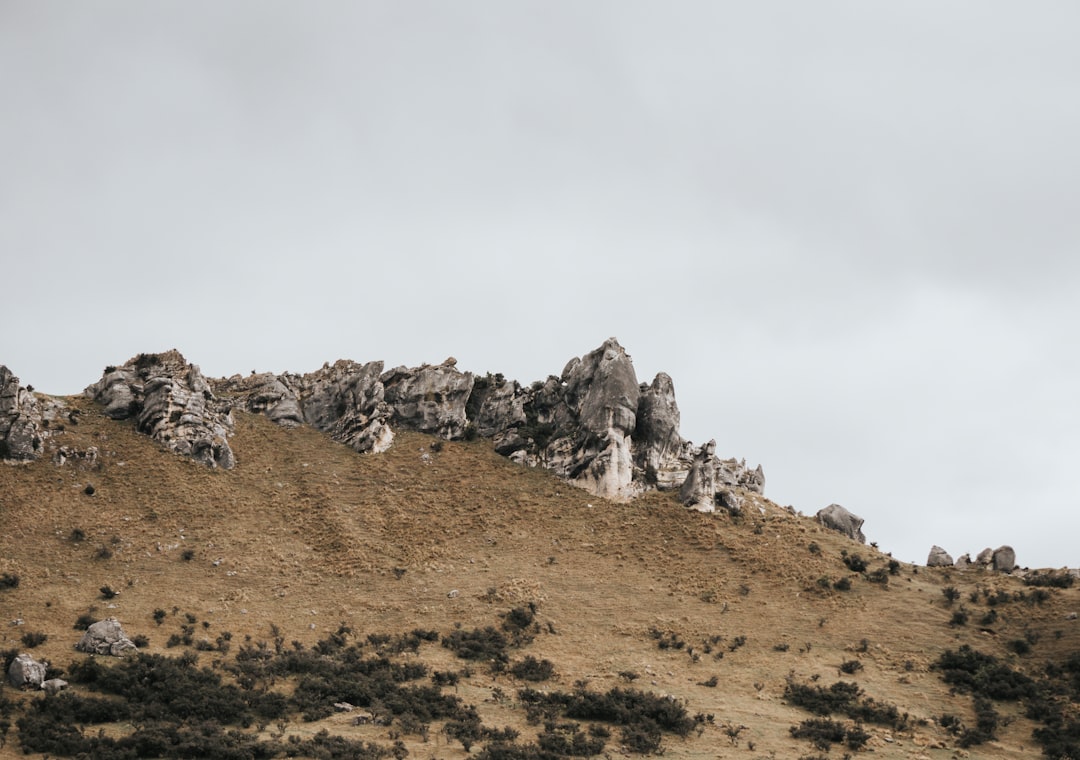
847, 230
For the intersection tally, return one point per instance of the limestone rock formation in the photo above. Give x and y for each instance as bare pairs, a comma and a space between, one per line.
20, 420
835, 517
172, 402
593, 425
106, 637
26, 672
1004, 559
938, 558
429, 399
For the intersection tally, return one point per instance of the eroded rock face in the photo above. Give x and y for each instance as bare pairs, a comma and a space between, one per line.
172, 402
20, 420
429, 399
837, 518
594, 425
26, 673
938, 557
106, 637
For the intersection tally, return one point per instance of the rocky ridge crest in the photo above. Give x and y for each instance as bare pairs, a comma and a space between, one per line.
594, 424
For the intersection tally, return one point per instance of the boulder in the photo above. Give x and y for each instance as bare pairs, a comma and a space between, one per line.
964, 561
21, 436
1004, 559
106, 637
938, 558
172, 402
839, 519
26, 672
985, 557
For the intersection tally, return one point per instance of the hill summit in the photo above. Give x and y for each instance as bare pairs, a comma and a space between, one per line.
192, 567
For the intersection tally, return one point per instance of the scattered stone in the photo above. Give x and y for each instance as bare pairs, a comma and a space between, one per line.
835, 517
1071, 616
938, 558
54, 686
453, 594
985, 557
344, 707
106, 637
26, 672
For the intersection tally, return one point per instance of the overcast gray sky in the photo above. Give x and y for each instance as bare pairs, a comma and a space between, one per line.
848, 230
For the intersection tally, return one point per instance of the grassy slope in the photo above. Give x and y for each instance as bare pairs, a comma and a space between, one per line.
307, 535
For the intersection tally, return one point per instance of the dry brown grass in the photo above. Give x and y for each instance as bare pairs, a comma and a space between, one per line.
306, 535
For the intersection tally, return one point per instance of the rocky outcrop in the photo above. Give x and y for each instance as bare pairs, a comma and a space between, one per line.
938, 557
172, 402
837, 518
429, 399
593, 425
26, 673
20, 420
106, 637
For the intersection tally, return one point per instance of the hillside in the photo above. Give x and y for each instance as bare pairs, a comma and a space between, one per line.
306, 540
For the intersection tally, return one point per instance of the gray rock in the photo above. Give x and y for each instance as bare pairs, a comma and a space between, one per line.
265, 393
1004, 559
106, 637
21, 436
346, 400
658, 447
985, 557
172, 402
429, 399
964, 561
698, 491
54, 686
496, 408
938, 558
26, 672
835, 517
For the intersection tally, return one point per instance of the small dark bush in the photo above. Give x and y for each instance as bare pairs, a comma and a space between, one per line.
822, 732
850, 667
159, 616
1053, 580
32, 639
187, 555
9, 580
477, 644
77, 535
855, 563
879, 576
959, 617
843, 584
84, 621
531, 669
951, 594
813, 547
107, 592
103, 552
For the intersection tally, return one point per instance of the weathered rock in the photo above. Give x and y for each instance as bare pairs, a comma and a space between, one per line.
106, 637
658, 445
985, 557
835, 517
964, 561
1004, 559
699, 489
20, 420
172, 402
265, 393
54, 686
496, 407
429, 399
938, 558
26, 672
346, 400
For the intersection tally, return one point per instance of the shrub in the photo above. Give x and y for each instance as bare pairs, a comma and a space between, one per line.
9, 580
951, 594
32, 639
159, 616
107, 592
822, 732
531, 669
855, 563
959, 617
77, 535
1054, 580
84, 621
850, 667
477, 644
1018, 646
843, 584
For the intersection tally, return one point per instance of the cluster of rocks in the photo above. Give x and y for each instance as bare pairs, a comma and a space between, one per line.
1002, 559
104, 637
170, 401
594, 424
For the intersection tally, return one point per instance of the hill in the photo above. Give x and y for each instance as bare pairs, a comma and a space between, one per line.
309, 569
